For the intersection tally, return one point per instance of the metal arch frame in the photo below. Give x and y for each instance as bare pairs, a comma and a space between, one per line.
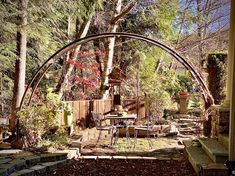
206, 93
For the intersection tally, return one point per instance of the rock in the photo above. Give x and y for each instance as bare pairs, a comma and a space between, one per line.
50, 166
38, 169
19, 163
5, 160
25, 172
32, 160
9, 167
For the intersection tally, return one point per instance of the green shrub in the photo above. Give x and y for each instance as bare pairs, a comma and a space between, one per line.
39, 124
195, 101
35, 122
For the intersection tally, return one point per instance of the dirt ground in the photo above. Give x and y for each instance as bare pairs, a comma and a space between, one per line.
117, 167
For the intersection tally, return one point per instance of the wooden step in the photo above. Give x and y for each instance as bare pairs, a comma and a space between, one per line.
190, 131
187, 143
191, 128
183, 116
215, 169
224, 140
196, 155
189, 120
216, 151
184, 125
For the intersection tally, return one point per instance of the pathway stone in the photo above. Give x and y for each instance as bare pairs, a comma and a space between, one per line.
4, 160
50, 166
71, 153
10, 151
27, 165
3, 172
32, 160
19, 163
9, 167
38, 169
24, 172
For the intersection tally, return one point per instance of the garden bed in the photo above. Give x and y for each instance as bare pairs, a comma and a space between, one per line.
116, 167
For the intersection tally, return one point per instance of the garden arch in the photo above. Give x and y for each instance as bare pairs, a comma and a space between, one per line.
47, 64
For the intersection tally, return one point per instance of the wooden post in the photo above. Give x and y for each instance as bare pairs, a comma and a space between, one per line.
1, 108
138, 89
231, 56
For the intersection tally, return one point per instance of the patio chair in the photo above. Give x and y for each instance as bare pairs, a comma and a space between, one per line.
119, 126
121, 122
98, 119
147, 128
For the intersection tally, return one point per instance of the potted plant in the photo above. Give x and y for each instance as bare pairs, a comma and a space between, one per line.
120, 111
183, 94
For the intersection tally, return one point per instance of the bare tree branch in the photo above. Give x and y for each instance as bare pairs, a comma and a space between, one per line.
123, 13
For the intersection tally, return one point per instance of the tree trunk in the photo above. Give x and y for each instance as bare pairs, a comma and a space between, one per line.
67, 69
202, 23
20, 65
199, 29
158, 65
111, 42
108, 64
181, 25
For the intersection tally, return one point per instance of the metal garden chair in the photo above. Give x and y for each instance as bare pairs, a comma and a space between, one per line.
147, 128
122, 126
98, 120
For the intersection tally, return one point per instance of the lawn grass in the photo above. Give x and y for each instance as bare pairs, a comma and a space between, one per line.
162, 146
142, 145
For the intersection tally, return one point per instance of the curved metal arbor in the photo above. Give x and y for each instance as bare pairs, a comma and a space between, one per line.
46, 65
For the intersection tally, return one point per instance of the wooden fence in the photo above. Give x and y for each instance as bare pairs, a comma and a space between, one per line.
82, 109
134, 107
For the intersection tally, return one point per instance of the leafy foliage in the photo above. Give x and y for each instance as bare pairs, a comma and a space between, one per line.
54, 141
195, 101
186, 82
35, 122
217, 70
41, 120
154, 19
156, 87
173, 22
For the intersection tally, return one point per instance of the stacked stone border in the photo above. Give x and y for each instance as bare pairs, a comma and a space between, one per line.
31, 165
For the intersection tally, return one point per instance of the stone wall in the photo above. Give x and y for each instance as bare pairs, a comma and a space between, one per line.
219, 120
